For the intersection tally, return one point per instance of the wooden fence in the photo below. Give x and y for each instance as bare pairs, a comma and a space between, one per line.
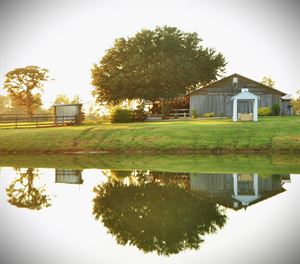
180, 113
43, 120
176, 113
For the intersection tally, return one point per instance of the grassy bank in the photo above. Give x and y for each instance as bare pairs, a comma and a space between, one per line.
261, 164
269, 135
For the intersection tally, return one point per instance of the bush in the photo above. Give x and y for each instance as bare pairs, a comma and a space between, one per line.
166, 110
194, 113
264, 111
275, 109
211, 114
121, 116
139, 115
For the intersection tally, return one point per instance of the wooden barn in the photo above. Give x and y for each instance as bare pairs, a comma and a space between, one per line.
234, 190
216, 97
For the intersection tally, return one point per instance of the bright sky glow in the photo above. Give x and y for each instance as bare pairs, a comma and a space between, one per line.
257, 38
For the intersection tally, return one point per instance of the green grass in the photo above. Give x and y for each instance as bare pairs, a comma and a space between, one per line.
269, 135
261, 164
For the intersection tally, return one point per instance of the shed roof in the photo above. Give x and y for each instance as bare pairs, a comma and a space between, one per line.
214, 84
287, 97
67, 105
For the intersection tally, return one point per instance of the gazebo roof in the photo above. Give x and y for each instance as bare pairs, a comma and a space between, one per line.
245, 95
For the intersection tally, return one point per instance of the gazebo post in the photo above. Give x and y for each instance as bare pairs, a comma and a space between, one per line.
234, 115
255, 113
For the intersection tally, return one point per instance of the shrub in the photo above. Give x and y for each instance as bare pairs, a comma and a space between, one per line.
121, 116
194, 113
264, 111
275, 109
166, 110
210, 114
139, 115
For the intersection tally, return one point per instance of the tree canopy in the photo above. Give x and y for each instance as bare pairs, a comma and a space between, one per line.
24, 86
296, 103
267, 80
63, 99
155, 64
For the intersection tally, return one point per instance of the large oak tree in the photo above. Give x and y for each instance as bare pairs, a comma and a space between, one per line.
24, 86
153, 65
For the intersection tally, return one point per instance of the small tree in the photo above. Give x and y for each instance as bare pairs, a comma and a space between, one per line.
24, 86
296, 103
267, 80
63, 99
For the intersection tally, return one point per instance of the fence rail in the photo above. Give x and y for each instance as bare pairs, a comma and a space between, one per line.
45, 120
180, 112
176, 113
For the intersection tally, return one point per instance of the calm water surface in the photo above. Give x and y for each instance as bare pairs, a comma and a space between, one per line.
121, 216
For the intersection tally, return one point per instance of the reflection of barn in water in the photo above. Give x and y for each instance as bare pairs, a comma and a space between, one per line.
68, 176
230, 190
237, 190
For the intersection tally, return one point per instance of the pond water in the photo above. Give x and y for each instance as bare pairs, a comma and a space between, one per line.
94, 215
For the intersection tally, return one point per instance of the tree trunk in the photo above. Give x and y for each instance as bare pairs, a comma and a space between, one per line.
162, 108
28, 105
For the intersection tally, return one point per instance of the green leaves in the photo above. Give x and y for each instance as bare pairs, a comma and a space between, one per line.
152, 65
20, 84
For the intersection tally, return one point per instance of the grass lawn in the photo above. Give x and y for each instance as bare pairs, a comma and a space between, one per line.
269, 135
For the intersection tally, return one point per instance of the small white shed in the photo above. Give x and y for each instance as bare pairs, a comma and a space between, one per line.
245, 95
68, 113
68, 176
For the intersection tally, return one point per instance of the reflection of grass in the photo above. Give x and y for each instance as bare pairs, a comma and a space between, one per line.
270, 134
262, 164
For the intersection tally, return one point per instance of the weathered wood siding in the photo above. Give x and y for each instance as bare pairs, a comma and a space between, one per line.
221, 105
67, 110
285, 107
217, 97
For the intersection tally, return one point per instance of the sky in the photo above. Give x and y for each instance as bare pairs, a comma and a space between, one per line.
257, 38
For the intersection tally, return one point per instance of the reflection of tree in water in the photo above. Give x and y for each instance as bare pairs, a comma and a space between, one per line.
154, 217
22, 192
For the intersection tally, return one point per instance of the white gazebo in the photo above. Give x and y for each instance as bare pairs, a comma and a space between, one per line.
245, 95
245, 199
